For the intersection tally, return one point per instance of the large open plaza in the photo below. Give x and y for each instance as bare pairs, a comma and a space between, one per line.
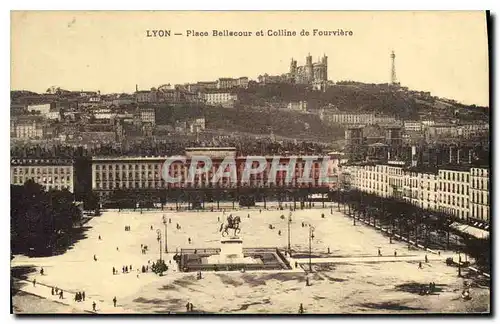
351, 278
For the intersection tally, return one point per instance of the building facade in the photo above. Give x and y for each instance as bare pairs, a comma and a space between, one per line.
479, 195
50, 174
454, 192
43, 109
148, 116
298, 106
220, 98
460, 192
146, 96
145, 173
412, 126
27, 127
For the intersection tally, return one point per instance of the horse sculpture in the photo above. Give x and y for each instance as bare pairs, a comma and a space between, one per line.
232, 223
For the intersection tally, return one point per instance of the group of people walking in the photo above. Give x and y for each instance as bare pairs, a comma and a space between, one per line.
80, 296
56, 291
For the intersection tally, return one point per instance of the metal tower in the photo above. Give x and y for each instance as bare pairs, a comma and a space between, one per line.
394, 80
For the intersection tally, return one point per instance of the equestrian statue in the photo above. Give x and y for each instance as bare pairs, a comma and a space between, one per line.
232, 223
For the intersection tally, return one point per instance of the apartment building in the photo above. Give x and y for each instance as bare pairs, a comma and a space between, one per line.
372, 179
461, 192
421, 189
479, 195
220, 98
50, 174
454, 192
27, 127
148, 116
145, 173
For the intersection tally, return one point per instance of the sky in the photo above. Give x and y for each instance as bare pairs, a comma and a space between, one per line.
442, 52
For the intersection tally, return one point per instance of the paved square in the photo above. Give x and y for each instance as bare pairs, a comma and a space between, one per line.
363, 282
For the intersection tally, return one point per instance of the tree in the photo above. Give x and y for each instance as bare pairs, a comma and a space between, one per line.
39, 218
159, 267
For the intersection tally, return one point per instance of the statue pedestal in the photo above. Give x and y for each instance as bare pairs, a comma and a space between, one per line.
231, 248
231, 252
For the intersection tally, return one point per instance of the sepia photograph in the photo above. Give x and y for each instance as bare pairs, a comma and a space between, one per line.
250, 162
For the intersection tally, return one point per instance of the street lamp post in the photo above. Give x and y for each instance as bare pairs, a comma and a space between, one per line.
311, 236
459, 264
338, 199
158, 233
289, 234
165, 224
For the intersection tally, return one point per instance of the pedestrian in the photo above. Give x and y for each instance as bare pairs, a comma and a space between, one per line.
93, 306
187, 307
395, 253
114, 301
52, 291
34, 282
76, 297
142, 245
260, 211
420, 265
130, 268
189, 240
95, 257
218, 219
151, 227
301, 309
190, 307
126, 269
296, 264
56, 290
279, 232
123, 269
170, 221
117, 249
114, 270
147, 268
61, 296
99, 237
426, 259
307, 281
41, 271
379, 253
83, 295
248, 216
328, 250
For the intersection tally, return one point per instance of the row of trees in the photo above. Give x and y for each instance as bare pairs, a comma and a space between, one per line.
429, 228
42, 222
140, 198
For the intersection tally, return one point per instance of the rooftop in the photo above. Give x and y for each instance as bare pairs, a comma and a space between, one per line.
46, 162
